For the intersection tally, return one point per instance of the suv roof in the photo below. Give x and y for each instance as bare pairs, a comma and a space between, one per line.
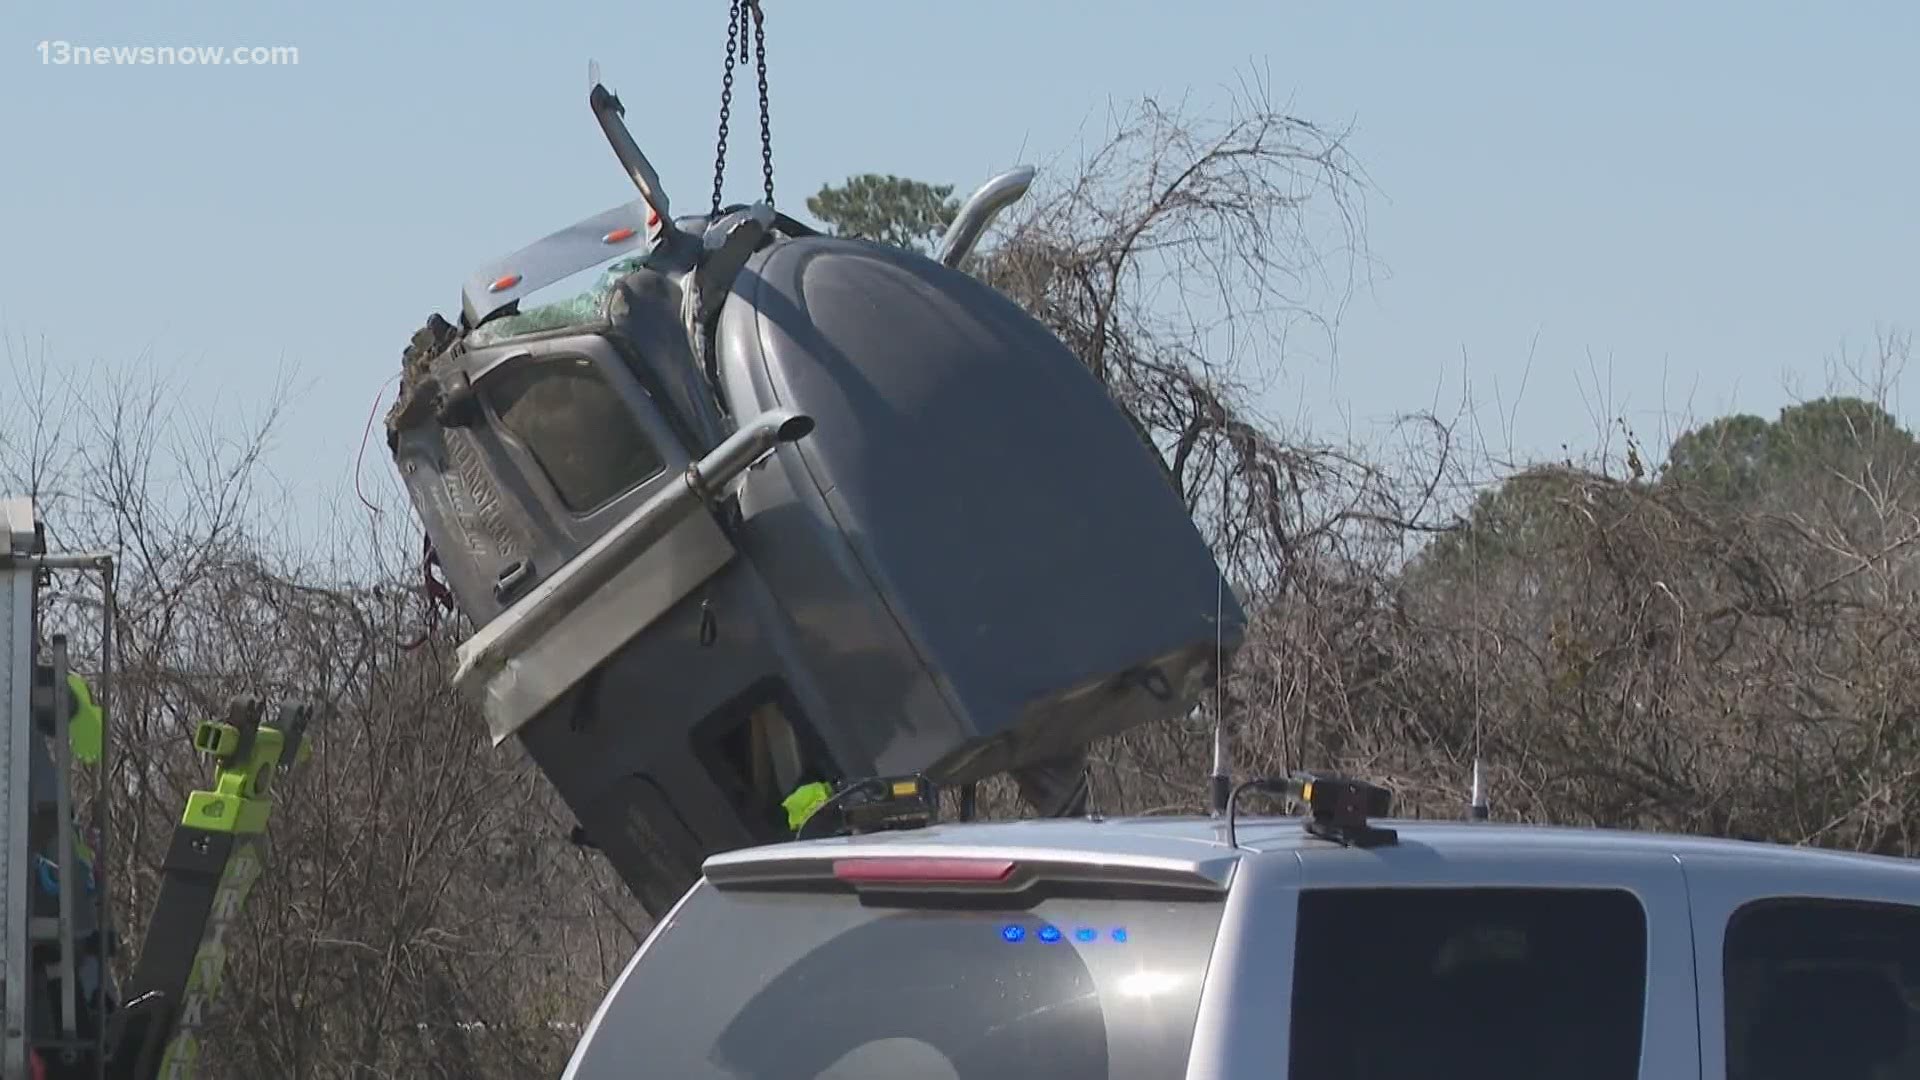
1197, 846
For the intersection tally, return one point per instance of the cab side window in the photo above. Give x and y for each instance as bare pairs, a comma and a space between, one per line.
1487, 984
1822, 988
584, 437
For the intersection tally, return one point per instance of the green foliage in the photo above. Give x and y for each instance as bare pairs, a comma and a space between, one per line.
1731, 460
1527, 513
888, 209
1740, 457
1728, 456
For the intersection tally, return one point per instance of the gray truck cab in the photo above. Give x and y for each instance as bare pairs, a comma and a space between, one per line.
1151, 948
766, 509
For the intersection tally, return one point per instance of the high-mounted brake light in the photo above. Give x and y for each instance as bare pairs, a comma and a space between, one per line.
922, 871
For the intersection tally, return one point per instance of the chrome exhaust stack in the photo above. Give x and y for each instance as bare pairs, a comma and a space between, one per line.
986, 204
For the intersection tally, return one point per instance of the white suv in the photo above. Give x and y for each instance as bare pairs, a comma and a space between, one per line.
1148, 949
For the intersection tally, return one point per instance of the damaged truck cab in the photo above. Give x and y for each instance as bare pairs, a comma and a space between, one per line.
769, 507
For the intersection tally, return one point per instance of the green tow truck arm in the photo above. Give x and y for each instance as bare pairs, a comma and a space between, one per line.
217, 854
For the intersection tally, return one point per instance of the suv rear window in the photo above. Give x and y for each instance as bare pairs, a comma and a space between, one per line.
758, 986
1488, 984
1822, 988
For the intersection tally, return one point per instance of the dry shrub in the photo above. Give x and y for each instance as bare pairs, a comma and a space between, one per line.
1729, 647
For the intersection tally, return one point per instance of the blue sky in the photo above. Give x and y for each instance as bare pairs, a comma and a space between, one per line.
1638, 209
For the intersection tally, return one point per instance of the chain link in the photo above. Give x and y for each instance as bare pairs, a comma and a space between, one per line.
734, 44
737, 46
766, 114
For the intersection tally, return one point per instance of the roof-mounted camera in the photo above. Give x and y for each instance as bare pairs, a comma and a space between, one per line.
1338, 807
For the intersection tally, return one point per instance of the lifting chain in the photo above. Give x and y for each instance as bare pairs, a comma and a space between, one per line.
743, 10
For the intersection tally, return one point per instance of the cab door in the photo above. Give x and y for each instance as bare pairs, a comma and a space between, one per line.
532, 449
573, 438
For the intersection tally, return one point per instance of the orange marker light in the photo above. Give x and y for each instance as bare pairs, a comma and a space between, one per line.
504, 283
617, 236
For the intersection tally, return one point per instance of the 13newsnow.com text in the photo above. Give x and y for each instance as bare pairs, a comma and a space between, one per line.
68, 54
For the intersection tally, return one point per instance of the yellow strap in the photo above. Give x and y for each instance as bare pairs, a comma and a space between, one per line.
803, 802
83, 730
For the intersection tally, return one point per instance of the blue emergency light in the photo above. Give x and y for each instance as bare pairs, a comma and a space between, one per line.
1014, 933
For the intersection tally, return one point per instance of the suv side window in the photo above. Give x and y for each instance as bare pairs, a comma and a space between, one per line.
1821, 988
1488, 984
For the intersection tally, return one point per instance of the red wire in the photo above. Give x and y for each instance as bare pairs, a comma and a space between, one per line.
438, 595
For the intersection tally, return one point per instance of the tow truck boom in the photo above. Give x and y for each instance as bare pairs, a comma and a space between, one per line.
63, 1016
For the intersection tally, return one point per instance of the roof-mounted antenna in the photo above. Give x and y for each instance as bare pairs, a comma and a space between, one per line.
1477, 799
1220, 784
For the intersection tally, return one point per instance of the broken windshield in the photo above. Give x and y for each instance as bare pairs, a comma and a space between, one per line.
585, 306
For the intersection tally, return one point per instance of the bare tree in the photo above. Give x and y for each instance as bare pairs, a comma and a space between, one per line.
422, 914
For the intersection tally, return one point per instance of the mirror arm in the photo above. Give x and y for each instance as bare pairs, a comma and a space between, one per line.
609, 111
